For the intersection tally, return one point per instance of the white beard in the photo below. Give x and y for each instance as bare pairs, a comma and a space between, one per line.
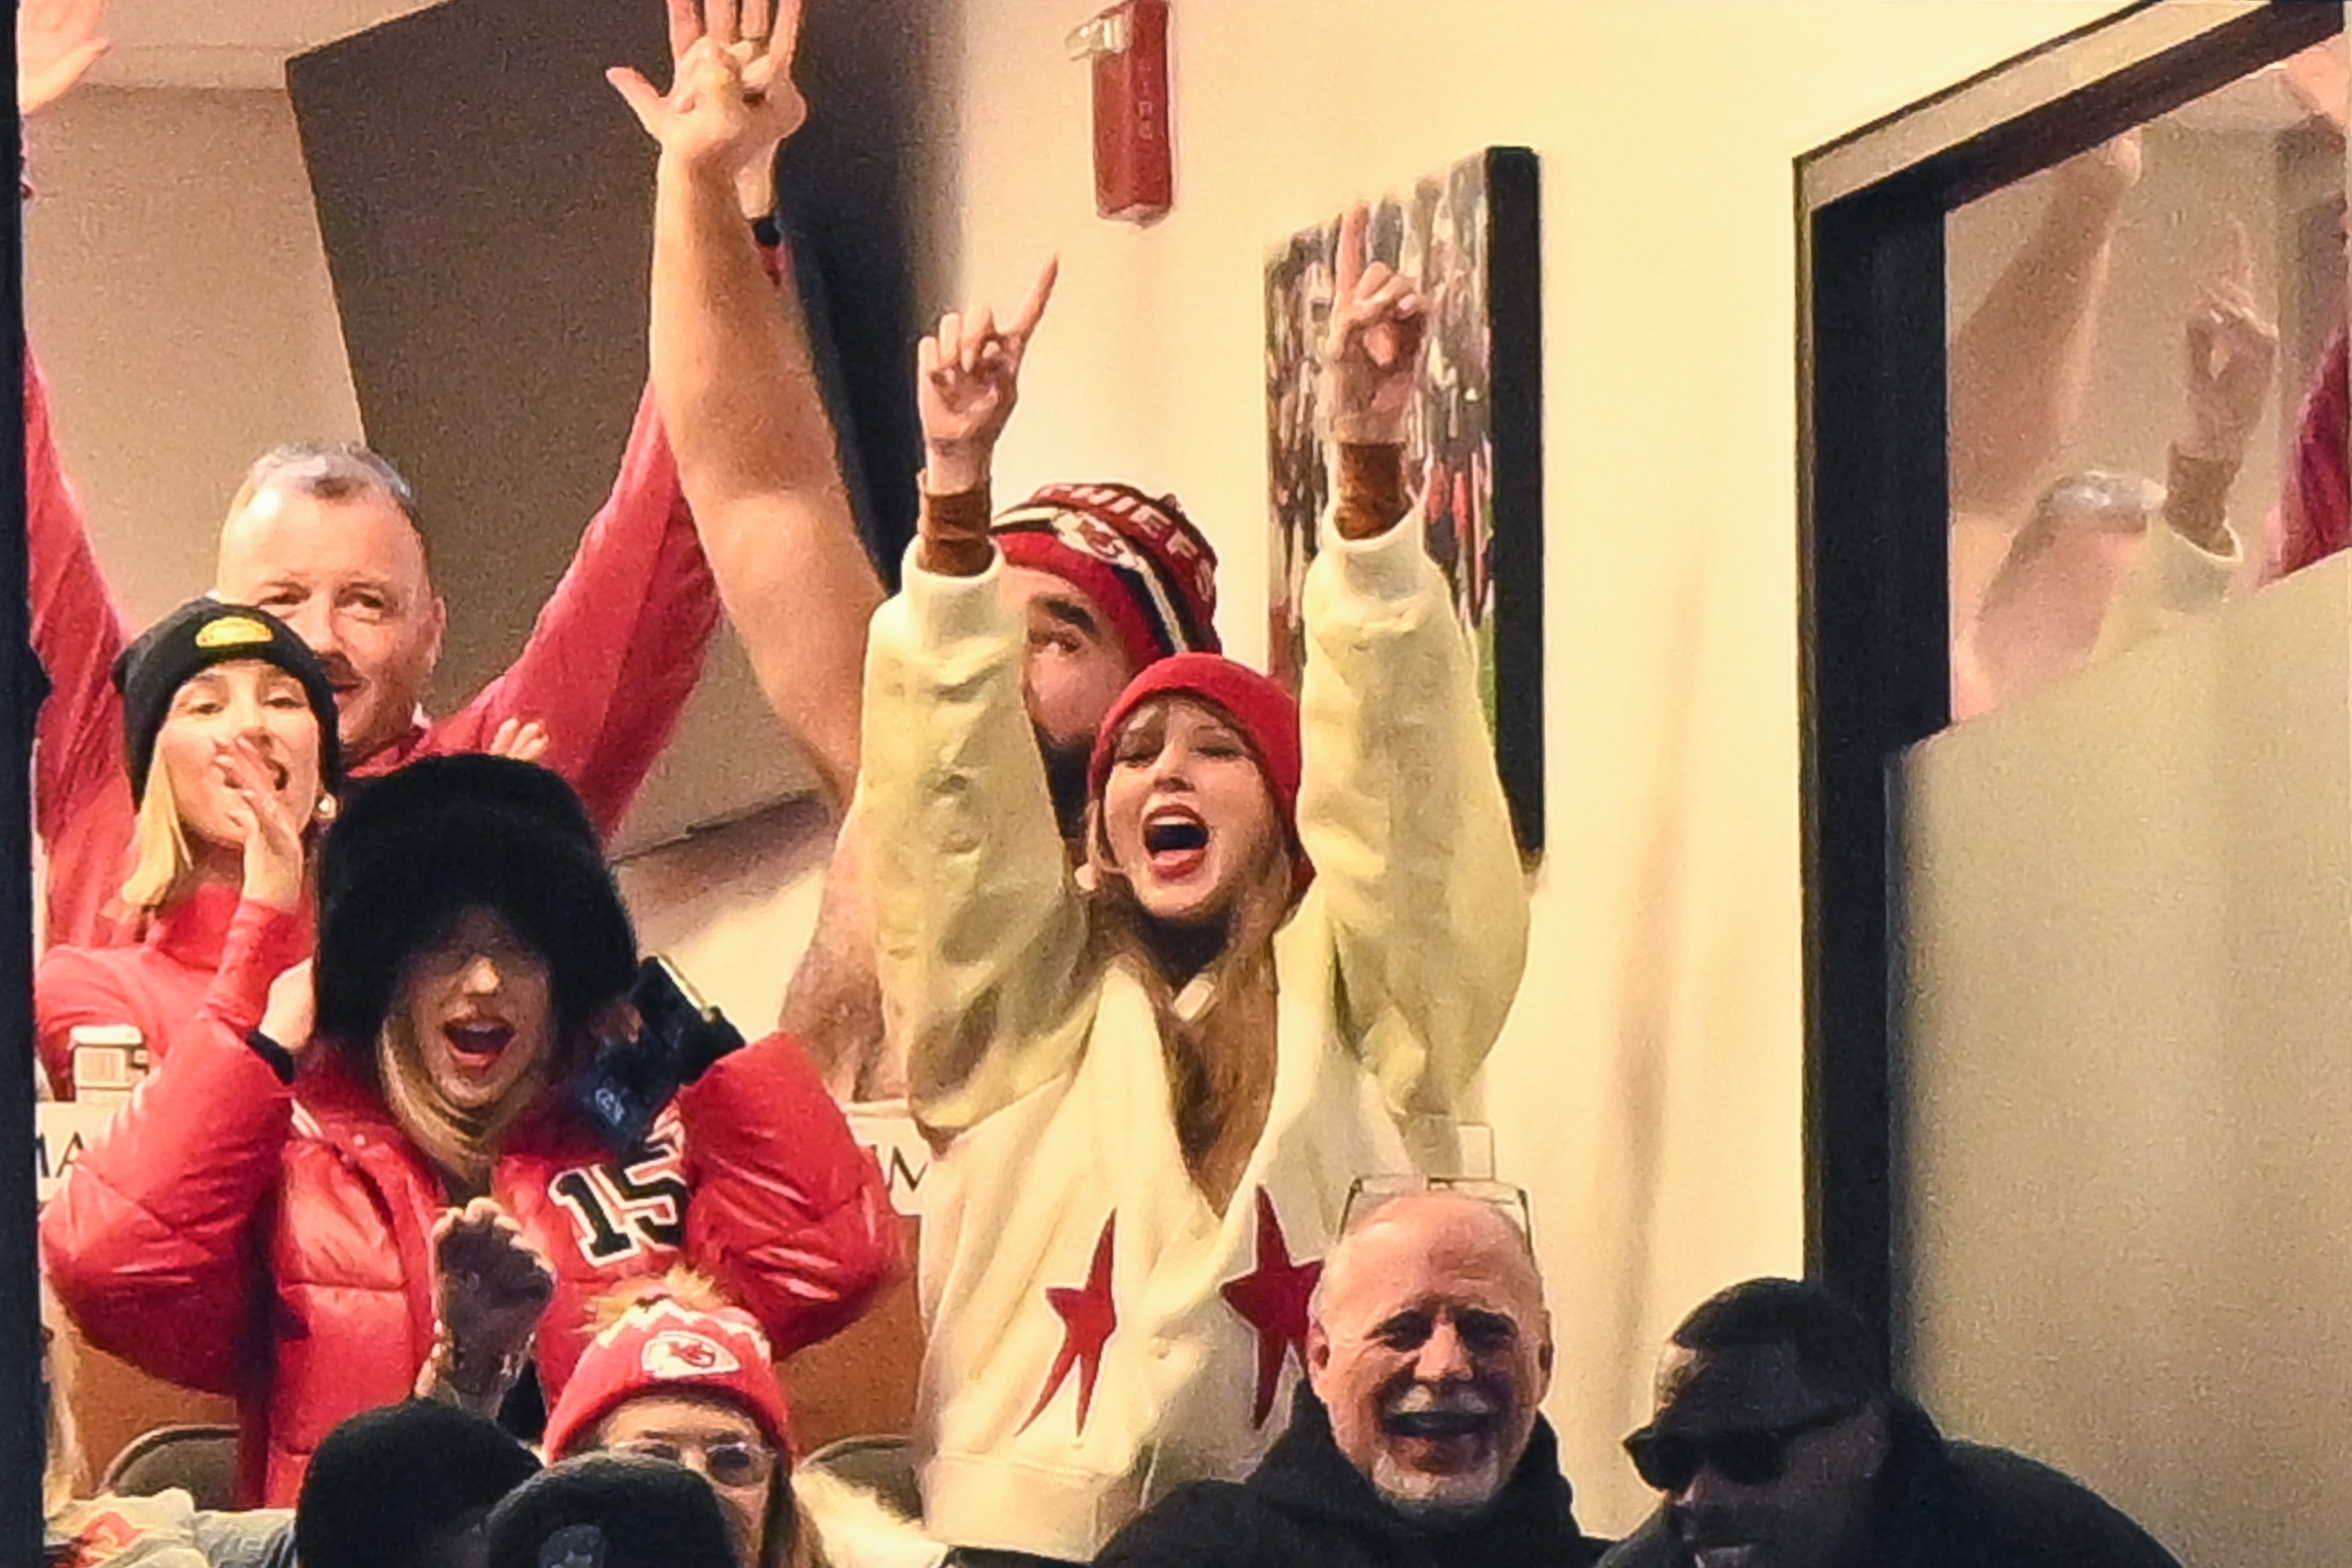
1428, 1498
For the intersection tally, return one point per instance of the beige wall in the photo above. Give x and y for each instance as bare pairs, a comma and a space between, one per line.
177, 296
1647, 1091
2130, 931
176, 293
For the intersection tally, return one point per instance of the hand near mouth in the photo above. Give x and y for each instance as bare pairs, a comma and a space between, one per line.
272, 838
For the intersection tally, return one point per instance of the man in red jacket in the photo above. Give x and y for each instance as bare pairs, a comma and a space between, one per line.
326, 536
263, 1219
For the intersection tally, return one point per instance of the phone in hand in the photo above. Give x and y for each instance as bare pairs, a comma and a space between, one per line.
678, 1036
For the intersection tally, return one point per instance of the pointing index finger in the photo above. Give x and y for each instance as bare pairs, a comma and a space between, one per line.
2240, 269
1352, 227
1034, 309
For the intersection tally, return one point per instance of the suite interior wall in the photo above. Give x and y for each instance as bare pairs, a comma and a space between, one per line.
1647, 1089
177, 296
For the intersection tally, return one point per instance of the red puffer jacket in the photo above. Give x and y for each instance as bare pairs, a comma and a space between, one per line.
233, 1234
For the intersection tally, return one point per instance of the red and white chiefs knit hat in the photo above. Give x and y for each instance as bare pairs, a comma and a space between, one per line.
663, 1346
1140, 559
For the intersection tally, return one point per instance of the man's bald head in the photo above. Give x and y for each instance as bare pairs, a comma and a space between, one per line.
1430, 1347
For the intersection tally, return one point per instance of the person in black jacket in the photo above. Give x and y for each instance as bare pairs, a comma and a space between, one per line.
1415, 1439
1778, 1444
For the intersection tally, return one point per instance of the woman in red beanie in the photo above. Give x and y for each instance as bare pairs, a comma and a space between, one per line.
675, 1372
1157, 1076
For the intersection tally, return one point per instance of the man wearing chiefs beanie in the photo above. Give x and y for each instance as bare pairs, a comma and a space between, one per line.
1157, 1077
1107, 579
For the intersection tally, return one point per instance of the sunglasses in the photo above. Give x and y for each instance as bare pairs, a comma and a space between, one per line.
1369, 1193
727, 1464
1747, 1457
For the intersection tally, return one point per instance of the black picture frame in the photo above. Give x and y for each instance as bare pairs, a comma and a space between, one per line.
1471, 234
1874, 635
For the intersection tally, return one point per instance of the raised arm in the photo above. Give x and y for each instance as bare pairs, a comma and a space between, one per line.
1400, 807
967, 382
2021, 363
2192, 561
82, 794
81, 800
732, 370
981, 933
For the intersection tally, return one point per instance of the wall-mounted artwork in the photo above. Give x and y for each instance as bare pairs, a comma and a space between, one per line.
1468, 235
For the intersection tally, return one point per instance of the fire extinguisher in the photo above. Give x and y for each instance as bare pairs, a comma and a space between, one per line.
1127, 45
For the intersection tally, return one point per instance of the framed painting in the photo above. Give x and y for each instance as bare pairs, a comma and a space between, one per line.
1468, 235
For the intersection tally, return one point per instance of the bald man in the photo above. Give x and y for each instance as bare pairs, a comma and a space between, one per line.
1415, 1438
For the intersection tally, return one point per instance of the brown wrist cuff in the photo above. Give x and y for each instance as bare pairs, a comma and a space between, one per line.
1371, 489
2197, 497
954, 530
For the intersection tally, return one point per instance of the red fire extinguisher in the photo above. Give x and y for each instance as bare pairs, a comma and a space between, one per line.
1127, 47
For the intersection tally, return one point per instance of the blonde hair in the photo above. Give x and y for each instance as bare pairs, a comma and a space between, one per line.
686, 1286
163, 866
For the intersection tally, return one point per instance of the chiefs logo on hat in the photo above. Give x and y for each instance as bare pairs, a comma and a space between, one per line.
681, 1353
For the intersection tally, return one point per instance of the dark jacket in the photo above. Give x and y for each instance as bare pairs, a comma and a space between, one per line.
1305, 1503
1946, 1504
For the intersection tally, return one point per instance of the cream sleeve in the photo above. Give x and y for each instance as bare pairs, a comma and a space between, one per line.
980, 931
1403, 813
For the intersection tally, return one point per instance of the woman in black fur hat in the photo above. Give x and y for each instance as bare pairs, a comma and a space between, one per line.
424, 1204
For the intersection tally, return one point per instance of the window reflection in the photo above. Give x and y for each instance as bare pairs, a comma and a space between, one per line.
2141, 345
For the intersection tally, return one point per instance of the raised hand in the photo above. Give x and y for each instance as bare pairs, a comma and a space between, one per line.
2098, 179
57, 41
2322, 77
967, 379
491, 1285
272, 836
2232, 349
521, 739
1372, 351
731, 98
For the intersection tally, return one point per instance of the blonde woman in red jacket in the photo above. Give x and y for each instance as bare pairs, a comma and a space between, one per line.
263, 1219
228, 737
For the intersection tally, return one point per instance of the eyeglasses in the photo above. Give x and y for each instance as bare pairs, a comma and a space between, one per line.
1747, 1457
1367, 1193
735, 1462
